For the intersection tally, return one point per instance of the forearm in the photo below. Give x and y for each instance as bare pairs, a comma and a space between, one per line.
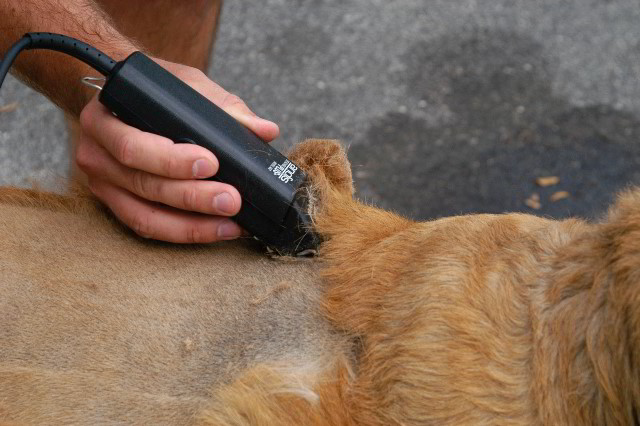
52, 73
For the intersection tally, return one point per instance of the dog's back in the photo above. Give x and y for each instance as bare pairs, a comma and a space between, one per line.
97, 325
481, 319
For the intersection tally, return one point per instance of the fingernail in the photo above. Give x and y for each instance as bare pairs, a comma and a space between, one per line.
202, 169
228, 230
223, 203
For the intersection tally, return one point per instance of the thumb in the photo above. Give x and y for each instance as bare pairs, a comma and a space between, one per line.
230, 103
235, 107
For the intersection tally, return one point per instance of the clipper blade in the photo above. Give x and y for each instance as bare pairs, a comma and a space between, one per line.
296, 236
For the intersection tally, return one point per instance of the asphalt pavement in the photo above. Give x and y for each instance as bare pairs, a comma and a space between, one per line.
447, 106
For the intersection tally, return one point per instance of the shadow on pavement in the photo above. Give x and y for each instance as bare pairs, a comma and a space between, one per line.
505, 129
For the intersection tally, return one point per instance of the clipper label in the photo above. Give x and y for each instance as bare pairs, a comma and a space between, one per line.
284, 171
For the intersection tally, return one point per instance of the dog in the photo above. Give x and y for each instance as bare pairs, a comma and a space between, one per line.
478, 319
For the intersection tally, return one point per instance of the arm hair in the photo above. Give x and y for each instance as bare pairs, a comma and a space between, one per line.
52, 73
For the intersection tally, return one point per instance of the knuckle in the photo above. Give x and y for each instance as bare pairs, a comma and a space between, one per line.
197, 74
93, 187
83, 156
231, 100
143, 185
194, 235
141, 225
190, 73
125, 149
190, 198
171, 166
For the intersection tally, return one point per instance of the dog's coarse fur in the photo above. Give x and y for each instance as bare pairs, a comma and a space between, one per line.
479, 319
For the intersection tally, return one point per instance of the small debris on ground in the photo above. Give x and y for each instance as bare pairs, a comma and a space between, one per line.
9, 107
559, 195
533, 201
547, 181
361, 174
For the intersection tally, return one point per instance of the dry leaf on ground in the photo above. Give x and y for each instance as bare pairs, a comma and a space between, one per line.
547, 180
533, 201
9, 107
559, 195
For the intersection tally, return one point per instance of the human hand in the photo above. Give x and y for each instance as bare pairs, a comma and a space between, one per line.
151, 183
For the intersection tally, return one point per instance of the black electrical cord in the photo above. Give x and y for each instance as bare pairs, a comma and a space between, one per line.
11, 56
61, 43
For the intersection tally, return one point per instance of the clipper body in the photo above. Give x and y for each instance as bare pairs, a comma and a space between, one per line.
274, 207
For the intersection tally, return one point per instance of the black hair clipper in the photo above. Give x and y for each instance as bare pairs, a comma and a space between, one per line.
143, 94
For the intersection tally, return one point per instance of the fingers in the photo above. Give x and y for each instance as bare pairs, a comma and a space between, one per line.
199, 196
151, 220
132, 171
145, 151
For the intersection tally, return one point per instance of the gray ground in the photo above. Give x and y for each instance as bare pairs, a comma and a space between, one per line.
448, 106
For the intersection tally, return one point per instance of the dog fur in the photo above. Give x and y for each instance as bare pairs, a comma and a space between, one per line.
479, 319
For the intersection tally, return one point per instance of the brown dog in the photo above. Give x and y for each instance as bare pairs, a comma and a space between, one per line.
484, 319
480, 319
